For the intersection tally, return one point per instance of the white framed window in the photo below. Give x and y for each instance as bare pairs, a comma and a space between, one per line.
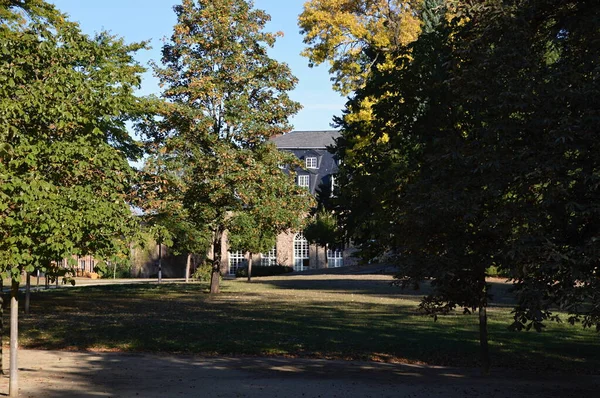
303, 180
82, 265
311, 162
270, 258
236, 261
300, 252
335, 258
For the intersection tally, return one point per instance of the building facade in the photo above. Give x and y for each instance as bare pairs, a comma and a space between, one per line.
318, 174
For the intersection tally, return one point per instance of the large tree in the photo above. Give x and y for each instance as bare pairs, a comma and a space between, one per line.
227, 97
529, 78
487, 157
64, 147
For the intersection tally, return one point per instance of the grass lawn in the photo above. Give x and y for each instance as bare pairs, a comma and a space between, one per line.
326, 316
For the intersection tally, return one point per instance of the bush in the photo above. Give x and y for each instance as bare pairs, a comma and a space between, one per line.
203, 272
108, 271
494, 271
261, 270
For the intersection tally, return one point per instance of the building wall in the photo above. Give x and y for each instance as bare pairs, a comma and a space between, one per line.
285, 249
285, 254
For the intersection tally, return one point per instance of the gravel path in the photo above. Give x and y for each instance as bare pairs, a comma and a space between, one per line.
85, 374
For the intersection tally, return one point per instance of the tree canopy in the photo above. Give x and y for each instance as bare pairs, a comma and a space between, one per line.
342, 32
226, 98
65, 181
485, 156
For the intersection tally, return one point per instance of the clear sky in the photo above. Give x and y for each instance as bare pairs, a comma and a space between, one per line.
153, 20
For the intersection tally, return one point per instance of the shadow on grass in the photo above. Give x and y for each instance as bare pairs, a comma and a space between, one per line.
290, 320
374, 285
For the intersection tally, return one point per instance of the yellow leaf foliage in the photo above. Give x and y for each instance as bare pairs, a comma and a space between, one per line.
338, 32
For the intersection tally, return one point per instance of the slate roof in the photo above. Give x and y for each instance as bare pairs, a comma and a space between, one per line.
306, 139
305, 144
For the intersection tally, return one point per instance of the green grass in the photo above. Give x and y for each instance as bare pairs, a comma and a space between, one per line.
345, 317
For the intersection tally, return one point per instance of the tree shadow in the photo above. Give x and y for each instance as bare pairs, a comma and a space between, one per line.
304, 320
76, 374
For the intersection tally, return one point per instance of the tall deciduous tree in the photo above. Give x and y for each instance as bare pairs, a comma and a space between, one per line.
488, 158
227, 98
64, 174
272, 203
529, 78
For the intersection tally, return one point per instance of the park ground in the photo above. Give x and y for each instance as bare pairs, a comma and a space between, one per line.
67, 374
331, 334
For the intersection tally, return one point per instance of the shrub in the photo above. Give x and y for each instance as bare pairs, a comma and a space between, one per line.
261, 270
108, 271
495, 271
203, 272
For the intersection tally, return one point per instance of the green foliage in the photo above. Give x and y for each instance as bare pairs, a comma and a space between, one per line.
272, 270
322, 229
116, 268
203, 272
227, 97
65, 97
482, 152
496, 272
273, 203
161, 195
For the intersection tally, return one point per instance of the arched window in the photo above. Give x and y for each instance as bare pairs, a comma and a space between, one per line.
301, 261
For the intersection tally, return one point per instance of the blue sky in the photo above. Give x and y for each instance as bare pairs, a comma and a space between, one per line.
138, 20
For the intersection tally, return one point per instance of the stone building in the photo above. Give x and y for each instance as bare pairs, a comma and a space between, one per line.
292, 249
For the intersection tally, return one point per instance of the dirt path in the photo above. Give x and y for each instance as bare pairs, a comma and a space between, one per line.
82, 374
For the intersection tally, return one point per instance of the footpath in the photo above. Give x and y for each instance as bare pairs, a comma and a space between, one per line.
69, 374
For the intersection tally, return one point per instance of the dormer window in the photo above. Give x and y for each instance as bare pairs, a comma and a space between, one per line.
311, 163
303, 181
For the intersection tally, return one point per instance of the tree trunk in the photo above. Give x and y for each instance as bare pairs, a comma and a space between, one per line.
159, 263
1, 325
250, 267
216, 264
483, 340
326, 257
13, 384
188, 265
27, 292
